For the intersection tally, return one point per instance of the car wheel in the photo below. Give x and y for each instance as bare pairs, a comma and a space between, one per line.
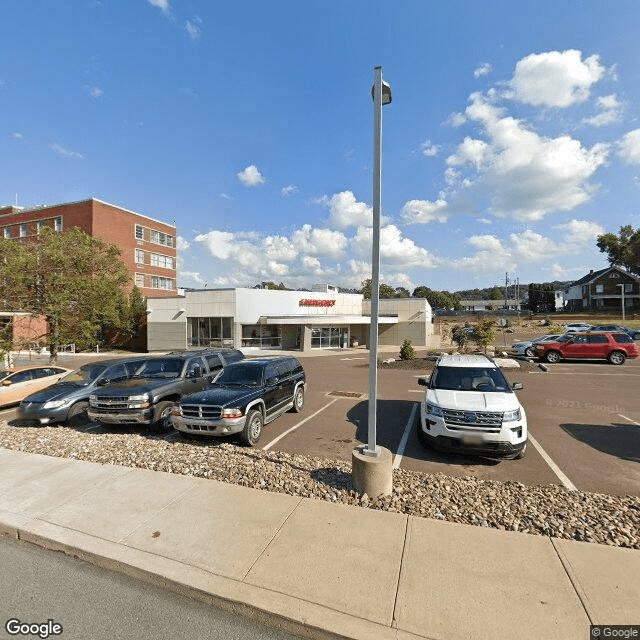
521, 454
252, 431
77, 415
298, 399
552, 356
616, 357
529, 352
163, 417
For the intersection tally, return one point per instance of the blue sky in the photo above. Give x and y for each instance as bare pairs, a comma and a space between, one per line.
512, 141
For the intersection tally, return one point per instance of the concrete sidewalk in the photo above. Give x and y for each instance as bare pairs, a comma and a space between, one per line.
315, 568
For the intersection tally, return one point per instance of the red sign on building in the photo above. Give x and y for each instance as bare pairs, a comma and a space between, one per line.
307, 302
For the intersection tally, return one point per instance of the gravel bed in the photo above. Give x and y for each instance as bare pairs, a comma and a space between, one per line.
542, 510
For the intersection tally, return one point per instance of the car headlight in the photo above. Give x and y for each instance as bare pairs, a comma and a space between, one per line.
232, 412
434, 410
54, 404
92, 398
511, 416
138, 402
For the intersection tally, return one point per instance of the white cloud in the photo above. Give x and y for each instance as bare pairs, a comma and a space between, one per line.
424, 211
251, 177
629, 147
428, 149
16, 135
60, 150
346, 211
611, 111
482, 70
182, 244
193, 27
524, 175
555, 78
456, 119
319, 242
289, 190
94, 92
163, 5
580, 232
394, 248
191, 278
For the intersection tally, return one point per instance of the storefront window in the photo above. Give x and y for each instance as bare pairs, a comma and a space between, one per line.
329, 337
262, 336
210, 332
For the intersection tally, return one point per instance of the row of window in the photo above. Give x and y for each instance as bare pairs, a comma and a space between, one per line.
22, 230
156, 259
145, 281
152, 235
628, 288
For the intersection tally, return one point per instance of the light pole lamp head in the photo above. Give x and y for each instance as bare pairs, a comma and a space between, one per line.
386, 93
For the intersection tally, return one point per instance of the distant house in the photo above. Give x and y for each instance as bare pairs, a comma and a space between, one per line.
603, 291
489, 305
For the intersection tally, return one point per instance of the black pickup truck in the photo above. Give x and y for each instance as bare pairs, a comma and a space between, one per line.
244, 397
149, 396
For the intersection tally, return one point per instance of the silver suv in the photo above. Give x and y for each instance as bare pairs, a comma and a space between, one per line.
470, 407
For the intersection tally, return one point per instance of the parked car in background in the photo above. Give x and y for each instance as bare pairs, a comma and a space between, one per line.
633, 333
614, 347
15, 384
469, 406
148, 397
528, 348
68, 399
572, 327
244, 397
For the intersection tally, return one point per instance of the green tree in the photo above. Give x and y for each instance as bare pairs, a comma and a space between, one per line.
460, 336
437, 299
75, 281
407, 352
401, 292
496, 294
623, 249
385, 290
484, 334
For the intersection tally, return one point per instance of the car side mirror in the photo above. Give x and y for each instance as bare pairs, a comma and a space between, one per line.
273, 380
103, 381
423, 382
6, 383
196, 372
516, 386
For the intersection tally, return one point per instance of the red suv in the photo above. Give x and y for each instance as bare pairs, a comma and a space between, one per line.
615, 347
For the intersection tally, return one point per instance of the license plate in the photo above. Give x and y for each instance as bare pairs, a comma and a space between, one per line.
472, 440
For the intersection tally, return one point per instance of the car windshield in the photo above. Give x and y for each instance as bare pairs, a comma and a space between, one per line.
161, 368
84, 375
469, 379
245, 373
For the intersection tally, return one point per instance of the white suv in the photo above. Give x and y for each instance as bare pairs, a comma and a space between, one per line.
470, 407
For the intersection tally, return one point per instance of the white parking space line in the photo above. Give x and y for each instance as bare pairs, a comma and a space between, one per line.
403, 442
288, 431
630, 420
415, 390
554, 467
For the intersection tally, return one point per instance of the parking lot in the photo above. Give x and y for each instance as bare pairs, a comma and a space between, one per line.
584, 423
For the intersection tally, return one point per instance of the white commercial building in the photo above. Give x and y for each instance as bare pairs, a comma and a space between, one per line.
289, 320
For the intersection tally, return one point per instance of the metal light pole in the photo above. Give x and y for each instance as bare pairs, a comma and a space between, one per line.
381, 93
622, 293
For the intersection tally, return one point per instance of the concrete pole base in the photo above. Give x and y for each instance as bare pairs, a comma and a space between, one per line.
372, 475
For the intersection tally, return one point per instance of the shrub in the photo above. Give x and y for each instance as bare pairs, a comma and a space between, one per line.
407, 352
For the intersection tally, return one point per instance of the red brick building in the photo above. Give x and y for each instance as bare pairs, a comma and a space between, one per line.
148, 246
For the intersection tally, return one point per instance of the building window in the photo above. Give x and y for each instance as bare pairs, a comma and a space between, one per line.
139, 232
599, 288
140, 280
210, 332
628, 287
58, 223
40, 224
157, 260
262, 336
158, 282
139, 256
7, 232
23, 230
158, 237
